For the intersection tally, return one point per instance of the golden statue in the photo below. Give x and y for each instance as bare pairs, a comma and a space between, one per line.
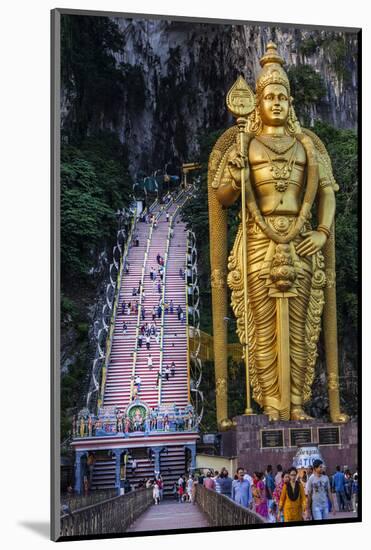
281, 272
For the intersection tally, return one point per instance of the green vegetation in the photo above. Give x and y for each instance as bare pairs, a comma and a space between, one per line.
307, 89
94, 184
71, 386
95, 181
196, 216
308, 46
335, 48
343, 150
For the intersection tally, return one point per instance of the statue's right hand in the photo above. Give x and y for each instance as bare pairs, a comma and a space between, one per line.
235, 163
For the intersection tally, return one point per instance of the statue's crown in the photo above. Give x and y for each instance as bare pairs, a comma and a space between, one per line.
272, 71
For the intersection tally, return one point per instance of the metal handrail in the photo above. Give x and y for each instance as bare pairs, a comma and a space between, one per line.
163, 311
194, 337
187, 325
76, 502
163, 298
114, 309
223, 511
110, 516
175, 213
140, 310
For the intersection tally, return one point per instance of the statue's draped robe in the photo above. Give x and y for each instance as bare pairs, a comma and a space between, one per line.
305, 302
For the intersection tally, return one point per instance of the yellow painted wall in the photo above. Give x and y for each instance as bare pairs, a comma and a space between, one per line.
217, 463
206, 352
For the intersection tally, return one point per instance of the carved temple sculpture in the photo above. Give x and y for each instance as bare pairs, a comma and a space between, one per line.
281, 270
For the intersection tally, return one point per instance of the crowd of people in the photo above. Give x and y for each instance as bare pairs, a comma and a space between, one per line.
167, 374
281, 496
149, 328
290, 495
184, 489
157, 485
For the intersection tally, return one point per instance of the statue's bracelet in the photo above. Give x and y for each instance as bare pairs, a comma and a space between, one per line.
324, 229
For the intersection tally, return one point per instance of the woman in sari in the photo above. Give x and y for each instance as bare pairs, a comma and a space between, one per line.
259, 494
279, 486
277, 493
292, 500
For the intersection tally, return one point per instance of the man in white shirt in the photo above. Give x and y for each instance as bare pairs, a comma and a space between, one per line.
149, 362
319, 493
278, 476
138, 382
248, 477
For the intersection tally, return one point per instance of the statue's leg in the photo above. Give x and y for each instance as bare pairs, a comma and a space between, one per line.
263, 310
298, 348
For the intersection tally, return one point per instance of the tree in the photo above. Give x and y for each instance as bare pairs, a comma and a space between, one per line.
307, 89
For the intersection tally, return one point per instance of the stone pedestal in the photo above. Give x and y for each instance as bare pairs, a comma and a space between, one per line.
257, 442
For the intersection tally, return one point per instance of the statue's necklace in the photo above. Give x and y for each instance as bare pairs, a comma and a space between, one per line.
277, 144
281, 174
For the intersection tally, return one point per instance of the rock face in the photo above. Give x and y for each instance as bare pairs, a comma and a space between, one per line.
177, 75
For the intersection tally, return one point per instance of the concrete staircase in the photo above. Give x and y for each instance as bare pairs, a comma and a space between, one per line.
172, 465
120, 369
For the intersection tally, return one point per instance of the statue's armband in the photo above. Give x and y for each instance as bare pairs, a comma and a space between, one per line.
324, 179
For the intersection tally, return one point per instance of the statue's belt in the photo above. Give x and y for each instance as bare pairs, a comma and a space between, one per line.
281, 267
280, 223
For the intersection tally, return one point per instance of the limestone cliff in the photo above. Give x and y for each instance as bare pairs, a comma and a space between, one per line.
176, 75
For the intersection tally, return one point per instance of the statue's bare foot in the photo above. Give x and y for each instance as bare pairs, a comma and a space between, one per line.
297, 413
341, 418
272, 413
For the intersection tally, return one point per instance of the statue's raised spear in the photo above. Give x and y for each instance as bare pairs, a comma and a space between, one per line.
241, 102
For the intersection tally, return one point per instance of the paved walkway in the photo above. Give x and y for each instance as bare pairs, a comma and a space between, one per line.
170, 515
342, 515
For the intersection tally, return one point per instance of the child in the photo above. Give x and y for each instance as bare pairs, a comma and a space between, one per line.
156, 492
272, 513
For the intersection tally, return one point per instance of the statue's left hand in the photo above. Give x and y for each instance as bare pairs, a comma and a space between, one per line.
312, 244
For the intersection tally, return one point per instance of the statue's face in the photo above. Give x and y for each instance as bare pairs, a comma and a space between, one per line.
274, 105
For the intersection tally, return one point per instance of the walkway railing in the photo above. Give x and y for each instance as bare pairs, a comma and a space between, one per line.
193, 324
187, 322
222, 511
123, 260
172, 218
163, 309
76, 502
114, 515
140, 309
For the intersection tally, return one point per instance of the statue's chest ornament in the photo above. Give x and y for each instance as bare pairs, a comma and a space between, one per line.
281, 172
